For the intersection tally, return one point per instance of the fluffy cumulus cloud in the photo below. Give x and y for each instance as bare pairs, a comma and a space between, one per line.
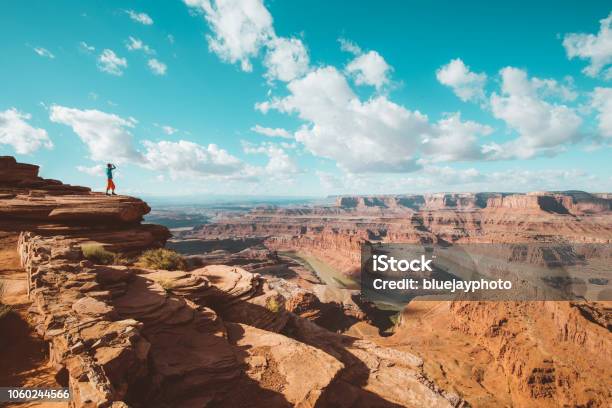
184, 158
602, 102
242, 28
543, 127
239, 28
107, 136
553, 89
142, 18
286, 59
369, 68
596, 48
157, 67
43, 52
272, 132
15, 131
280, 165
455, 140
375, 135
111, 63
467, 85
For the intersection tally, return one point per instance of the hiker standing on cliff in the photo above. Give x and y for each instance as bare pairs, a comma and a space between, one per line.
110, 185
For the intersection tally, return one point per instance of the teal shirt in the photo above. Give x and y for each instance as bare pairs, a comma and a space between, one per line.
109, 172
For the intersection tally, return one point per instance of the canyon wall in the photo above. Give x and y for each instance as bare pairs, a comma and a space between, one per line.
543, 354
563, 202
122, 335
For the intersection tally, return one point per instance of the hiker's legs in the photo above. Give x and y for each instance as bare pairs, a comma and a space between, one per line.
110, 186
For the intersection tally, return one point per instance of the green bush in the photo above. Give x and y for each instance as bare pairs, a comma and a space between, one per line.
97, 254
162, 258
273, 305
121, 259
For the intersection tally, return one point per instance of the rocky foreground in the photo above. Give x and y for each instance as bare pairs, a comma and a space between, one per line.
523, 354
213, 336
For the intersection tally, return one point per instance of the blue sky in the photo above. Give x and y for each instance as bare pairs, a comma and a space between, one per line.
310, 97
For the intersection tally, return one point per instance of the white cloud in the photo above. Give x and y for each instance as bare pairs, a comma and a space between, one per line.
83, 46
169, 130
543, 127
286, 59
369, 69
553, 89
240, 28
16, 132
109, 139
97, 170
184, 158
595, 48
135, 44
467, 85
602, 102
377, 135
142, 18
455, 140
109, 62
107, 136
157, 67
272, 132
349, 46
279, 165
43, 52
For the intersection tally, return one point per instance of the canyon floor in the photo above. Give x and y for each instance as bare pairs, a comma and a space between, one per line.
268, 313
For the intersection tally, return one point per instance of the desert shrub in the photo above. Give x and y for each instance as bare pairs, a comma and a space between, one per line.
162, 258
273, 305
166, 284
97, 254
124, 260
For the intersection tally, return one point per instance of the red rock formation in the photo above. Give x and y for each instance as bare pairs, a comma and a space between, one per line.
214, 336
48, 207
493, 354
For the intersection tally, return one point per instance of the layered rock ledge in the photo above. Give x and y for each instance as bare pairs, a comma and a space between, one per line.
213, 336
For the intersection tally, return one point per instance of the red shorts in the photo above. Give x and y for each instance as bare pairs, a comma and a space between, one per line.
110, 185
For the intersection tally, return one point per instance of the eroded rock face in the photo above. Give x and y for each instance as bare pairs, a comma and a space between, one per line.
494, 354
335, 234
96, 353
540, 354
152, 336
215, 336
49, 207
563, 202
300, 372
